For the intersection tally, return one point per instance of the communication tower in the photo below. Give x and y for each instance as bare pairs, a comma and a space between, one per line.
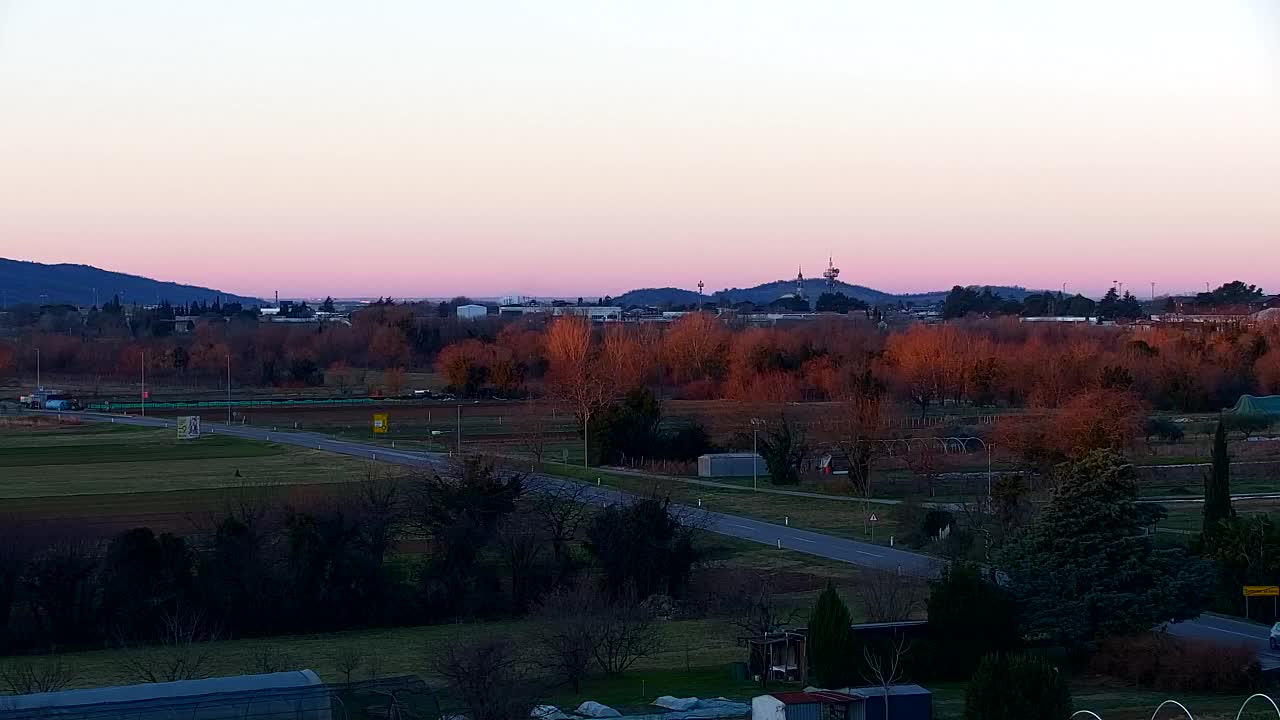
831, 273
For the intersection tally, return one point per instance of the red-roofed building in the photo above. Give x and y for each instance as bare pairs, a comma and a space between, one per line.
809, 705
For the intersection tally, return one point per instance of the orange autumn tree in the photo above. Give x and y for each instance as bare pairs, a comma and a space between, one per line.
629, 354
696, 348
576, 373
1098, 420
920, 364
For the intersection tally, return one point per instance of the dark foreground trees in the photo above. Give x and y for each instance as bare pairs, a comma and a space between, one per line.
484, 548
642, 548
1088, 568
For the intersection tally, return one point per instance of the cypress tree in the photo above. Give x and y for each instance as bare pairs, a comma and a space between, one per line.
1217, 484
830, 642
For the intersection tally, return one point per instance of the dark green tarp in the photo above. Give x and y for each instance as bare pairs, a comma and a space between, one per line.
1257, 405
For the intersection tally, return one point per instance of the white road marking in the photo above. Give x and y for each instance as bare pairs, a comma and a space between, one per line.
1230, 632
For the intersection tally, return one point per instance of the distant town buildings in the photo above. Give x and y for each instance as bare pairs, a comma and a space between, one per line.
472, 312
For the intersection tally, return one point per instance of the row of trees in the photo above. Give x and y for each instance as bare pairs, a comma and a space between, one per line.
489, 547
983, 363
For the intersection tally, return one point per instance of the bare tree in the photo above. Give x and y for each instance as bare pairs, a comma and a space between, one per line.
182, 652
561, 507
923, 458
348, 661
50, 673
884, 667
569, 635
760, 616
626, 633
486, 682
534, 433
381, 505
272, 659
889, 597
521, 548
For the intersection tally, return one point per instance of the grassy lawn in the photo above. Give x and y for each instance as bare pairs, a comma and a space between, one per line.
95, 459
1117, 703
837, 517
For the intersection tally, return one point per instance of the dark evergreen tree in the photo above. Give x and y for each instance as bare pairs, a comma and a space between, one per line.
831, 646
1217, 485
1088, 568
969, 617
1109, 306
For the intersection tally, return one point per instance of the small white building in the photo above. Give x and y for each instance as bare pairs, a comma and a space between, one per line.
472, 312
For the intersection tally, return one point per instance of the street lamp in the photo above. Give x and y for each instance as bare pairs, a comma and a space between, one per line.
228, 389
756, 424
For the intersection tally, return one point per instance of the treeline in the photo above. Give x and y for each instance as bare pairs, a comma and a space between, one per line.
470, 543
980, 362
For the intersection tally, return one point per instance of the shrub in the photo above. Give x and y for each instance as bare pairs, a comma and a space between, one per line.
1017, 686
1158, 661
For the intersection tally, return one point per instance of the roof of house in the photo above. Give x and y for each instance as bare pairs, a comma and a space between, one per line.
823, 697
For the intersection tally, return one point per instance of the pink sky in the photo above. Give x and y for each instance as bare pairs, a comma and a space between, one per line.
416, 151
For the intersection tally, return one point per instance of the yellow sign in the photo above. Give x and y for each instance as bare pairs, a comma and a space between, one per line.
1262, 590
380, 423
188, 427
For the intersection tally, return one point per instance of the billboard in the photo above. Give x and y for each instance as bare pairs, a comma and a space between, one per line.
380, 423
188, 427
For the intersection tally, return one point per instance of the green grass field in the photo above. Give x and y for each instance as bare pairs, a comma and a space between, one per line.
95, 459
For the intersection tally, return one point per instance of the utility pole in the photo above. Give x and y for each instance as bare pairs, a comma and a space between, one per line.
38, 385
459, 430
144, 383
755, 453
228, 389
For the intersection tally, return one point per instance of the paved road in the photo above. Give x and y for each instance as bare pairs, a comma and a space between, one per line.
1232, 632
780, 536
1210, 627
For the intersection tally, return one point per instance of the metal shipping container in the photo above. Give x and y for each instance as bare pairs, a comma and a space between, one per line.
906, 702
719, 465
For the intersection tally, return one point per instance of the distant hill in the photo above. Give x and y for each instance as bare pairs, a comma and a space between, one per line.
768, 292
30, 282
